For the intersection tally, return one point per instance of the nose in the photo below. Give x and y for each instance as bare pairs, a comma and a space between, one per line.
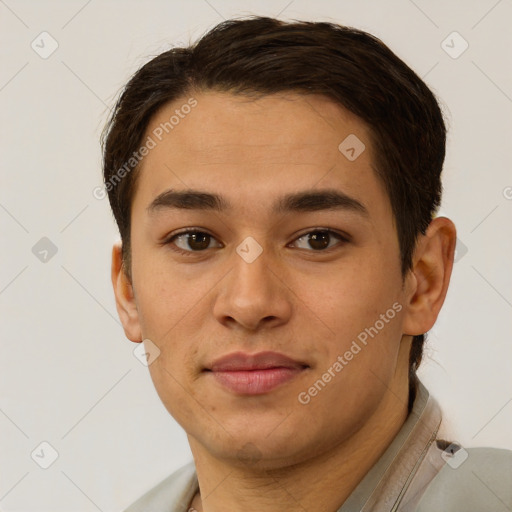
254, 295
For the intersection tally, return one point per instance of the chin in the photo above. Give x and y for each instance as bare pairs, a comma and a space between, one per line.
262, 448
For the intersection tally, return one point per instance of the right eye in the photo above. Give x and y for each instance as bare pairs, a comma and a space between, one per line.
190, 241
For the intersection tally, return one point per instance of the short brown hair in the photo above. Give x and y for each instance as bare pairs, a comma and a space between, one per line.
260, 55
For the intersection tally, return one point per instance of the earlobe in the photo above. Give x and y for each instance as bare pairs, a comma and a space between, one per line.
125, 299
430, 276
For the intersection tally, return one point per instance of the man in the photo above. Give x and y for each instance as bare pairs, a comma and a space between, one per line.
275, 187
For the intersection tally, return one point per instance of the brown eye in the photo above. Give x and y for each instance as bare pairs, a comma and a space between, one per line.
318, 240
192, 241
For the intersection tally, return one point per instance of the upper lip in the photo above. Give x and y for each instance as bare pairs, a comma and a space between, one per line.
241, 361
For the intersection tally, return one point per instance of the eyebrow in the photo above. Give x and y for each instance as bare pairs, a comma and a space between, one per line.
307, 201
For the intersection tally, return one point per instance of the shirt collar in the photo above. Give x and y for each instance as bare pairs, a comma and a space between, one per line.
385, 484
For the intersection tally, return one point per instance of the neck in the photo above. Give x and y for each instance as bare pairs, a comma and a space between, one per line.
321, 482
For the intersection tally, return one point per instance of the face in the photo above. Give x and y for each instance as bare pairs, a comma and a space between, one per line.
273, 289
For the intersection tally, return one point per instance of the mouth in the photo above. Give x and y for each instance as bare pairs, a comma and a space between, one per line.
255, 374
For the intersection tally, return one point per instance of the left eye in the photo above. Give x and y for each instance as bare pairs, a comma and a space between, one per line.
318, 240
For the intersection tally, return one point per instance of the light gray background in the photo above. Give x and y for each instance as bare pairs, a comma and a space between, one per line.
68, 375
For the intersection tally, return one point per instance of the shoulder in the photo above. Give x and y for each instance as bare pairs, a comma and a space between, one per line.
171, 495
476, 479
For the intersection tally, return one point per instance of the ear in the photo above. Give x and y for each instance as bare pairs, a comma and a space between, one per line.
125, 299
428, 280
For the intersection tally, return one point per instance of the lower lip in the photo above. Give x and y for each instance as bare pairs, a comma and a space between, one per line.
255, 382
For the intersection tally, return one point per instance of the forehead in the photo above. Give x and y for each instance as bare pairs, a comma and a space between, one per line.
255, 146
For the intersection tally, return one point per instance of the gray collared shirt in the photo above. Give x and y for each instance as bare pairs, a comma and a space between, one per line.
417, 473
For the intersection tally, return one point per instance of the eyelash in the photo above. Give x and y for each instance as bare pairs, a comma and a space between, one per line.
169, 241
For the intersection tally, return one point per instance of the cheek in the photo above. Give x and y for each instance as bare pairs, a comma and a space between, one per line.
163, 296
170, 310
363, 308
170, 385
174, 371
354, 298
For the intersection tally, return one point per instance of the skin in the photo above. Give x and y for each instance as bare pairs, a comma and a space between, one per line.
270, 452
